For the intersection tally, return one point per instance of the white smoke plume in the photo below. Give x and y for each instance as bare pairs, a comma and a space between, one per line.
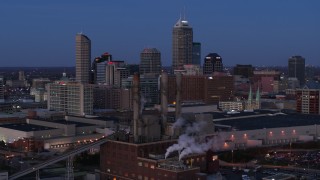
196, 127
143, 101
191, 142
179, 123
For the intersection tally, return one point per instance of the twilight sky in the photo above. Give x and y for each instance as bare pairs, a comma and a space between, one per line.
42, 33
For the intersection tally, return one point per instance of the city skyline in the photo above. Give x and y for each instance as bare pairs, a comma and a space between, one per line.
260, 33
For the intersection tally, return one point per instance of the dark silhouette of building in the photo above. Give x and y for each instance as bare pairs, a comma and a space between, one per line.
182, 39
196, 53
296, 67
1, 89
212, 63
243, 70
150, 61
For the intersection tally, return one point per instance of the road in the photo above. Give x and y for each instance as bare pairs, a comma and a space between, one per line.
58, 158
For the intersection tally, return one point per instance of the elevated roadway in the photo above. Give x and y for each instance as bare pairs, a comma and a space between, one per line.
58, 158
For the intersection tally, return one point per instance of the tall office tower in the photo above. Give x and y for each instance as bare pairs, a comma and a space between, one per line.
150, 61
149, 88
1, 89
212, 63
115, 72
74, 98
83, 58
196, 53
296, 67
99, 68
182, 39
21, 76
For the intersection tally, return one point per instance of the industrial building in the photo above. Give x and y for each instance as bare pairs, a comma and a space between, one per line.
146, 154
143, 152
38, 132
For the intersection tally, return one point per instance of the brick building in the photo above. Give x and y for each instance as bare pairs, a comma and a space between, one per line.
209, 90
123, 160
308, 99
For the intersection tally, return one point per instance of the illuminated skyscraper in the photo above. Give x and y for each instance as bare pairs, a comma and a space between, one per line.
212, 63
83, 58
182, 39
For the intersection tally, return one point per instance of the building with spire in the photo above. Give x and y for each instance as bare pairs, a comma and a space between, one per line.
83, 58
182, 42
253, 104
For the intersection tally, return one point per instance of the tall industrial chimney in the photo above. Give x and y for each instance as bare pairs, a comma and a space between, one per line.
136, 105
178, 96
164, 100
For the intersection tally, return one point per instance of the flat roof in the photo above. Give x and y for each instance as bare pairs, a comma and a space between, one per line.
271, 121
26, 127
78, 124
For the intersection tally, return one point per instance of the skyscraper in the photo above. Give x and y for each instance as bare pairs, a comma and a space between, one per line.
212, 63
99, 68
115, 72
296, 67
1, 89
150, 61
83, 58
196, 53
182, 39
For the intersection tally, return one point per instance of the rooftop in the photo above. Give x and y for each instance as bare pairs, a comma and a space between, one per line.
26, 127
274, 120
78, 124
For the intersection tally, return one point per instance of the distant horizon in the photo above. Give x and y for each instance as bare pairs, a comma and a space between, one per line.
1, 67
42, 33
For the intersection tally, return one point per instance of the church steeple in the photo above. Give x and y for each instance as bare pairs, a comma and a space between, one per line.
258, 99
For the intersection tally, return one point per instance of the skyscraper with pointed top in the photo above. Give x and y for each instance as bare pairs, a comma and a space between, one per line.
182, 39
83, 58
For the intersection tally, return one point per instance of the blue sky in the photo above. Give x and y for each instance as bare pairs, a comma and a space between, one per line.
42, 33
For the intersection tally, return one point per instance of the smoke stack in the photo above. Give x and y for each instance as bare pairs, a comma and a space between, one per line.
178, 95
164, 100
136, 105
